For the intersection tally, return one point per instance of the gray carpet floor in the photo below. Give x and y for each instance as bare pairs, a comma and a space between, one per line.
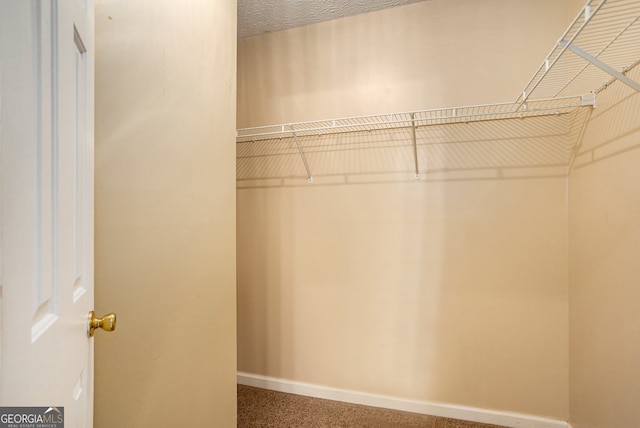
261, 408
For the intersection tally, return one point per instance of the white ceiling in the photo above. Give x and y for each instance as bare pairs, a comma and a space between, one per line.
257, 17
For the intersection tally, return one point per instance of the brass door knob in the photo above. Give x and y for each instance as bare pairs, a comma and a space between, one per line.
107, 323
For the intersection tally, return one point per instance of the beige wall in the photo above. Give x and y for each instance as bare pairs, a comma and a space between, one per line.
604, 246
427, 55
165, 212
452, 290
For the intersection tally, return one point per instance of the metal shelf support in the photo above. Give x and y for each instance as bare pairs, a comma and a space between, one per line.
601, 65
415, 145
304, 158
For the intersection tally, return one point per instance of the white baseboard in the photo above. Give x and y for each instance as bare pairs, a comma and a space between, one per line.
509, 419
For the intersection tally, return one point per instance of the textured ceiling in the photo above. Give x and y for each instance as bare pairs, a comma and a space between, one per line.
257, 17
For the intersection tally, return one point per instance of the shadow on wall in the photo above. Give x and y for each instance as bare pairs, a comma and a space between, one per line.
452, 288
439, 289
615, 131
605, 232
507, 148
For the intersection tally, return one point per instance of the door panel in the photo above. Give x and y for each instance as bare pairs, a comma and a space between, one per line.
47, 197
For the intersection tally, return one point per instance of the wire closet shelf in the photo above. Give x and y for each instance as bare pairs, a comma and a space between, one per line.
601, 45
420, 118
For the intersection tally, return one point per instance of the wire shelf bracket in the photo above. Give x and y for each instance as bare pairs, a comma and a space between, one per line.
415, 145
601, 65
304, 158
